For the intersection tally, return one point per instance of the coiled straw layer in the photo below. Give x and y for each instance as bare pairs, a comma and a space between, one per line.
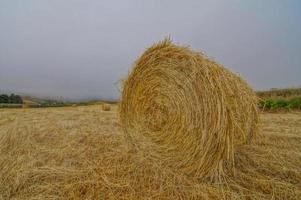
187, 110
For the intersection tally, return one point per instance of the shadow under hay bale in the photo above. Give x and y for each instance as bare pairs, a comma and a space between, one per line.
186, 110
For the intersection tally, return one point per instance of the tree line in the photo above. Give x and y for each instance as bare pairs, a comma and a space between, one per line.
13, 99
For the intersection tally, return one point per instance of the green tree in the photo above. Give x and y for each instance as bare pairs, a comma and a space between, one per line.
4, 98
18, 99
12, 98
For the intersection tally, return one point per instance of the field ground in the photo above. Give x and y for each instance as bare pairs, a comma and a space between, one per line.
80, 153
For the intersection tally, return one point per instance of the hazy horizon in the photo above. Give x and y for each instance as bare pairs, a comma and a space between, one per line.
82, 49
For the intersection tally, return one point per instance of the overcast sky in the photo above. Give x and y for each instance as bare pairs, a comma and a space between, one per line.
82, 48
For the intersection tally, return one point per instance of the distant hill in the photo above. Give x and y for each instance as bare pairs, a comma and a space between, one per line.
36, 100
275, 92
32, 101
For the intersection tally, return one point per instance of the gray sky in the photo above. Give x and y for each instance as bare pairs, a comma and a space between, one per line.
79, 49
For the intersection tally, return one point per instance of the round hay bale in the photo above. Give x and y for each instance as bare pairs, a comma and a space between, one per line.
187, 110
106, 107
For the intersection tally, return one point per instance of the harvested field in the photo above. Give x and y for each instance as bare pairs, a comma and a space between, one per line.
81, 153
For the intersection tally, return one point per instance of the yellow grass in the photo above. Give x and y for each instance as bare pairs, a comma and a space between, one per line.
80, 153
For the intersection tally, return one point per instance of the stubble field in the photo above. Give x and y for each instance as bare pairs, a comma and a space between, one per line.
80, 153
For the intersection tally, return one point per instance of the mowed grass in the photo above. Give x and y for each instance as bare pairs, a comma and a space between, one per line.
81, 153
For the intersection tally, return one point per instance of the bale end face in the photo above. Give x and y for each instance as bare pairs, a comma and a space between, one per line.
187, 110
